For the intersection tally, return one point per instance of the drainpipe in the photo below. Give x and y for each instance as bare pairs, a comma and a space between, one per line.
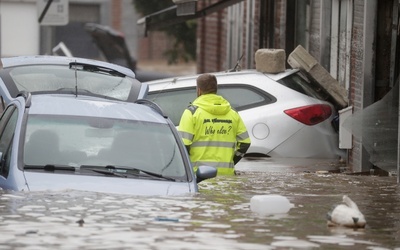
368, 68
271, 24
394, 72
325, 33
393, 54
250, 34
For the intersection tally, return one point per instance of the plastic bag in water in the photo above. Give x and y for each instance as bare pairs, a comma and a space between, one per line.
270, 204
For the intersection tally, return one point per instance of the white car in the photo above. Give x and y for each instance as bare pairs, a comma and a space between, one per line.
285, 114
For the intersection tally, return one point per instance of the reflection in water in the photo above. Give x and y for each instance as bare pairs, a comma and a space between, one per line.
219, 217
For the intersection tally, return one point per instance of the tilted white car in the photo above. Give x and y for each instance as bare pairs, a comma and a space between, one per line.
285, 114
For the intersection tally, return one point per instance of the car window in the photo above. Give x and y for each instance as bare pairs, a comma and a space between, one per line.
76, 141
302, 84
250, 97
72, 80
8, 123
175, 101
2, 104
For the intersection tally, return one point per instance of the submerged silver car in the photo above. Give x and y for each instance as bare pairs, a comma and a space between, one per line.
66, 142
75, 139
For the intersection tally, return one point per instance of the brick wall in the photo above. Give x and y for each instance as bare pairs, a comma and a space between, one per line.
280, 19
116, 9
256, 27
255, 23
154, 46
211, 40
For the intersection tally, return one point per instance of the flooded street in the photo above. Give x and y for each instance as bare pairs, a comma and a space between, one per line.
219, 217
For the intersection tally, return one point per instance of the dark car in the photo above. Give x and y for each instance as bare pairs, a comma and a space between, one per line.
112, 44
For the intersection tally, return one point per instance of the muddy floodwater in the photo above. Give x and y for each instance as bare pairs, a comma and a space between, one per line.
219, 217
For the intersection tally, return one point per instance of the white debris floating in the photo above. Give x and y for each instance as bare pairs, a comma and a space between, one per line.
346, 214
270, 204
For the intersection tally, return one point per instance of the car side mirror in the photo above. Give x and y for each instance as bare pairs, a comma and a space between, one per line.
205, 172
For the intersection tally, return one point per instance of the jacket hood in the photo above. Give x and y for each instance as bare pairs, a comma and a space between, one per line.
213, 104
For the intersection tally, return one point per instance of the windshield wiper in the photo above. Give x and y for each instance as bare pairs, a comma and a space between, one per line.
155, 175
107, 172
50, 167
94, 68
124, 172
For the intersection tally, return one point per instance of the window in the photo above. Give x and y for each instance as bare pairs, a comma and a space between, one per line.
93, 141
301, 84
7, 125
342, 17
250, 97
62, 79
2, 104
175, 101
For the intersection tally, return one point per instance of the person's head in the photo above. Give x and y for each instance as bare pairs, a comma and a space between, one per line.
206, 84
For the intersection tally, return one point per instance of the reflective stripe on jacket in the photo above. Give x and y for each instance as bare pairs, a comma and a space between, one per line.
214, 131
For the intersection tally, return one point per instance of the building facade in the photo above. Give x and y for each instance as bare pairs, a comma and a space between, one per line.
357, 41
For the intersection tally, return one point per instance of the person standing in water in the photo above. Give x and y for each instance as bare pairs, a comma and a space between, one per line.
213, 133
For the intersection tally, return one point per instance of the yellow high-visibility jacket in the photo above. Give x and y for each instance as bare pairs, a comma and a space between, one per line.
214, 133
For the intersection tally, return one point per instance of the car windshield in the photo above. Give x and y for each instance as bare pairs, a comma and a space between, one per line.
74, 79
98, 144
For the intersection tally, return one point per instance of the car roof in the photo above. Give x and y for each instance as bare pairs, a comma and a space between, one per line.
221, 74
93, 107
52, 74
8, 62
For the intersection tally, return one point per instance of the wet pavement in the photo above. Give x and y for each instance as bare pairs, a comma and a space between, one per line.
219, 217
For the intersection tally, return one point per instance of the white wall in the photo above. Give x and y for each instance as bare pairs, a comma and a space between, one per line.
19, 30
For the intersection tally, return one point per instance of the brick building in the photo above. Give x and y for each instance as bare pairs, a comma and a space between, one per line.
355, 40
